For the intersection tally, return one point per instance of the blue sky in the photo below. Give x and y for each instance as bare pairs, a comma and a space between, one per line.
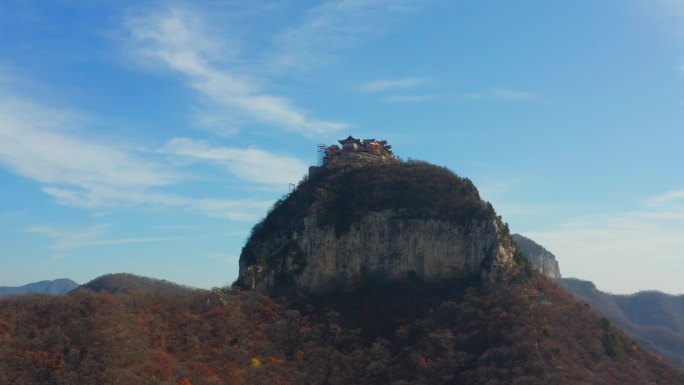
148, 137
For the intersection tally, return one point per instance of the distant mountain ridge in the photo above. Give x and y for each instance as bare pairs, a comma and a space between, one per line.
655, 319
57, 286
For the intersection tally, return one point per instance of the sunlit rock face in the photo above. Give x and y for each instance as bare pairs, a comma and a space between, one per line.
348, 224
541, 259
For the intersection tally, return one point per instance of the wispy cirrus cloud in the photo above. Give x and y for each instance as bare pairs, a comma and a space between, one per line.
393, 84
4, 76
336, 25
673, 9
503, 94
65, 238
69, 238
613, 248
407, 98
232, 209
48, 146
389, 86
248, 210
44, 144
250, 164
512, 95
667, 198
178, 39
669, 14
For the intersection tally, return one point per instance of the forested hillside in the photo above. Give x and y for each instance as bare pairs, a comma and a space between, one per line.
655, 319
406, 332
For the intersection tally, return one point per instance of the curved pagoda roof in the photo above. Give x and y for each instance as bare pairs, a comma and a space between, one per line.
350, 139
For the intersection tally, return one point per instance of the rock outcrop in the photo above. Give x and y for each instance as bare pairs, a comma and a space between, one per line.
542, 260
383, 221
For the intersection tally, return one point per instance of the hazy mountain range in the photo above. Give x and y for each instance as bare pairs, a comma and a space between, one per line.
57, 286
654, 319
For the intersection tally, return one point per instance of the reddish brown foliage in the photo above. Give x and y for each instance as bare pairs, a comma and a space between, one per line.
50, 360
203, 371
4, 333
409, 333
161, 364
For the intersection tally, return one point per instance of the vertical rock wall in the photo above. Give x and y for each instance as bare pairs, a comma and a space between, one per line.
380, 245
541, 259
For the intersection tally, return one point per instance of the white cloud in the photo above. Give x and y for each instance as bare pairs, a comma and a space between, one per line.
672, 8
72, 239
226, 258
667, 15
393, 84
178, 39
668, 197
240, 210
406, 98
250, 164
503, 94
69, 238
45, 145
624, 252
232, 209
336, 25
42, 144
103, 196
511, 95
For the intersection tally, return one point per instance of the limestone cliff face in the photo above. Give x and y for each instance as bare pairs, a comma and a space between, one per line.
542, 260
385, 245
329, 235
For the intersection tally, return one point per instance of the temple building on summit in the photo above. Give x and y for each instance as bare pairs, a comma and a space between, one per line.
354, 148
353, 151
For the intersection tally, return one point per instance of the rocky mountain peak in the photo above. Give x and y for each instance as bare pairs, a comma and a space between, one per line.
349, 222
